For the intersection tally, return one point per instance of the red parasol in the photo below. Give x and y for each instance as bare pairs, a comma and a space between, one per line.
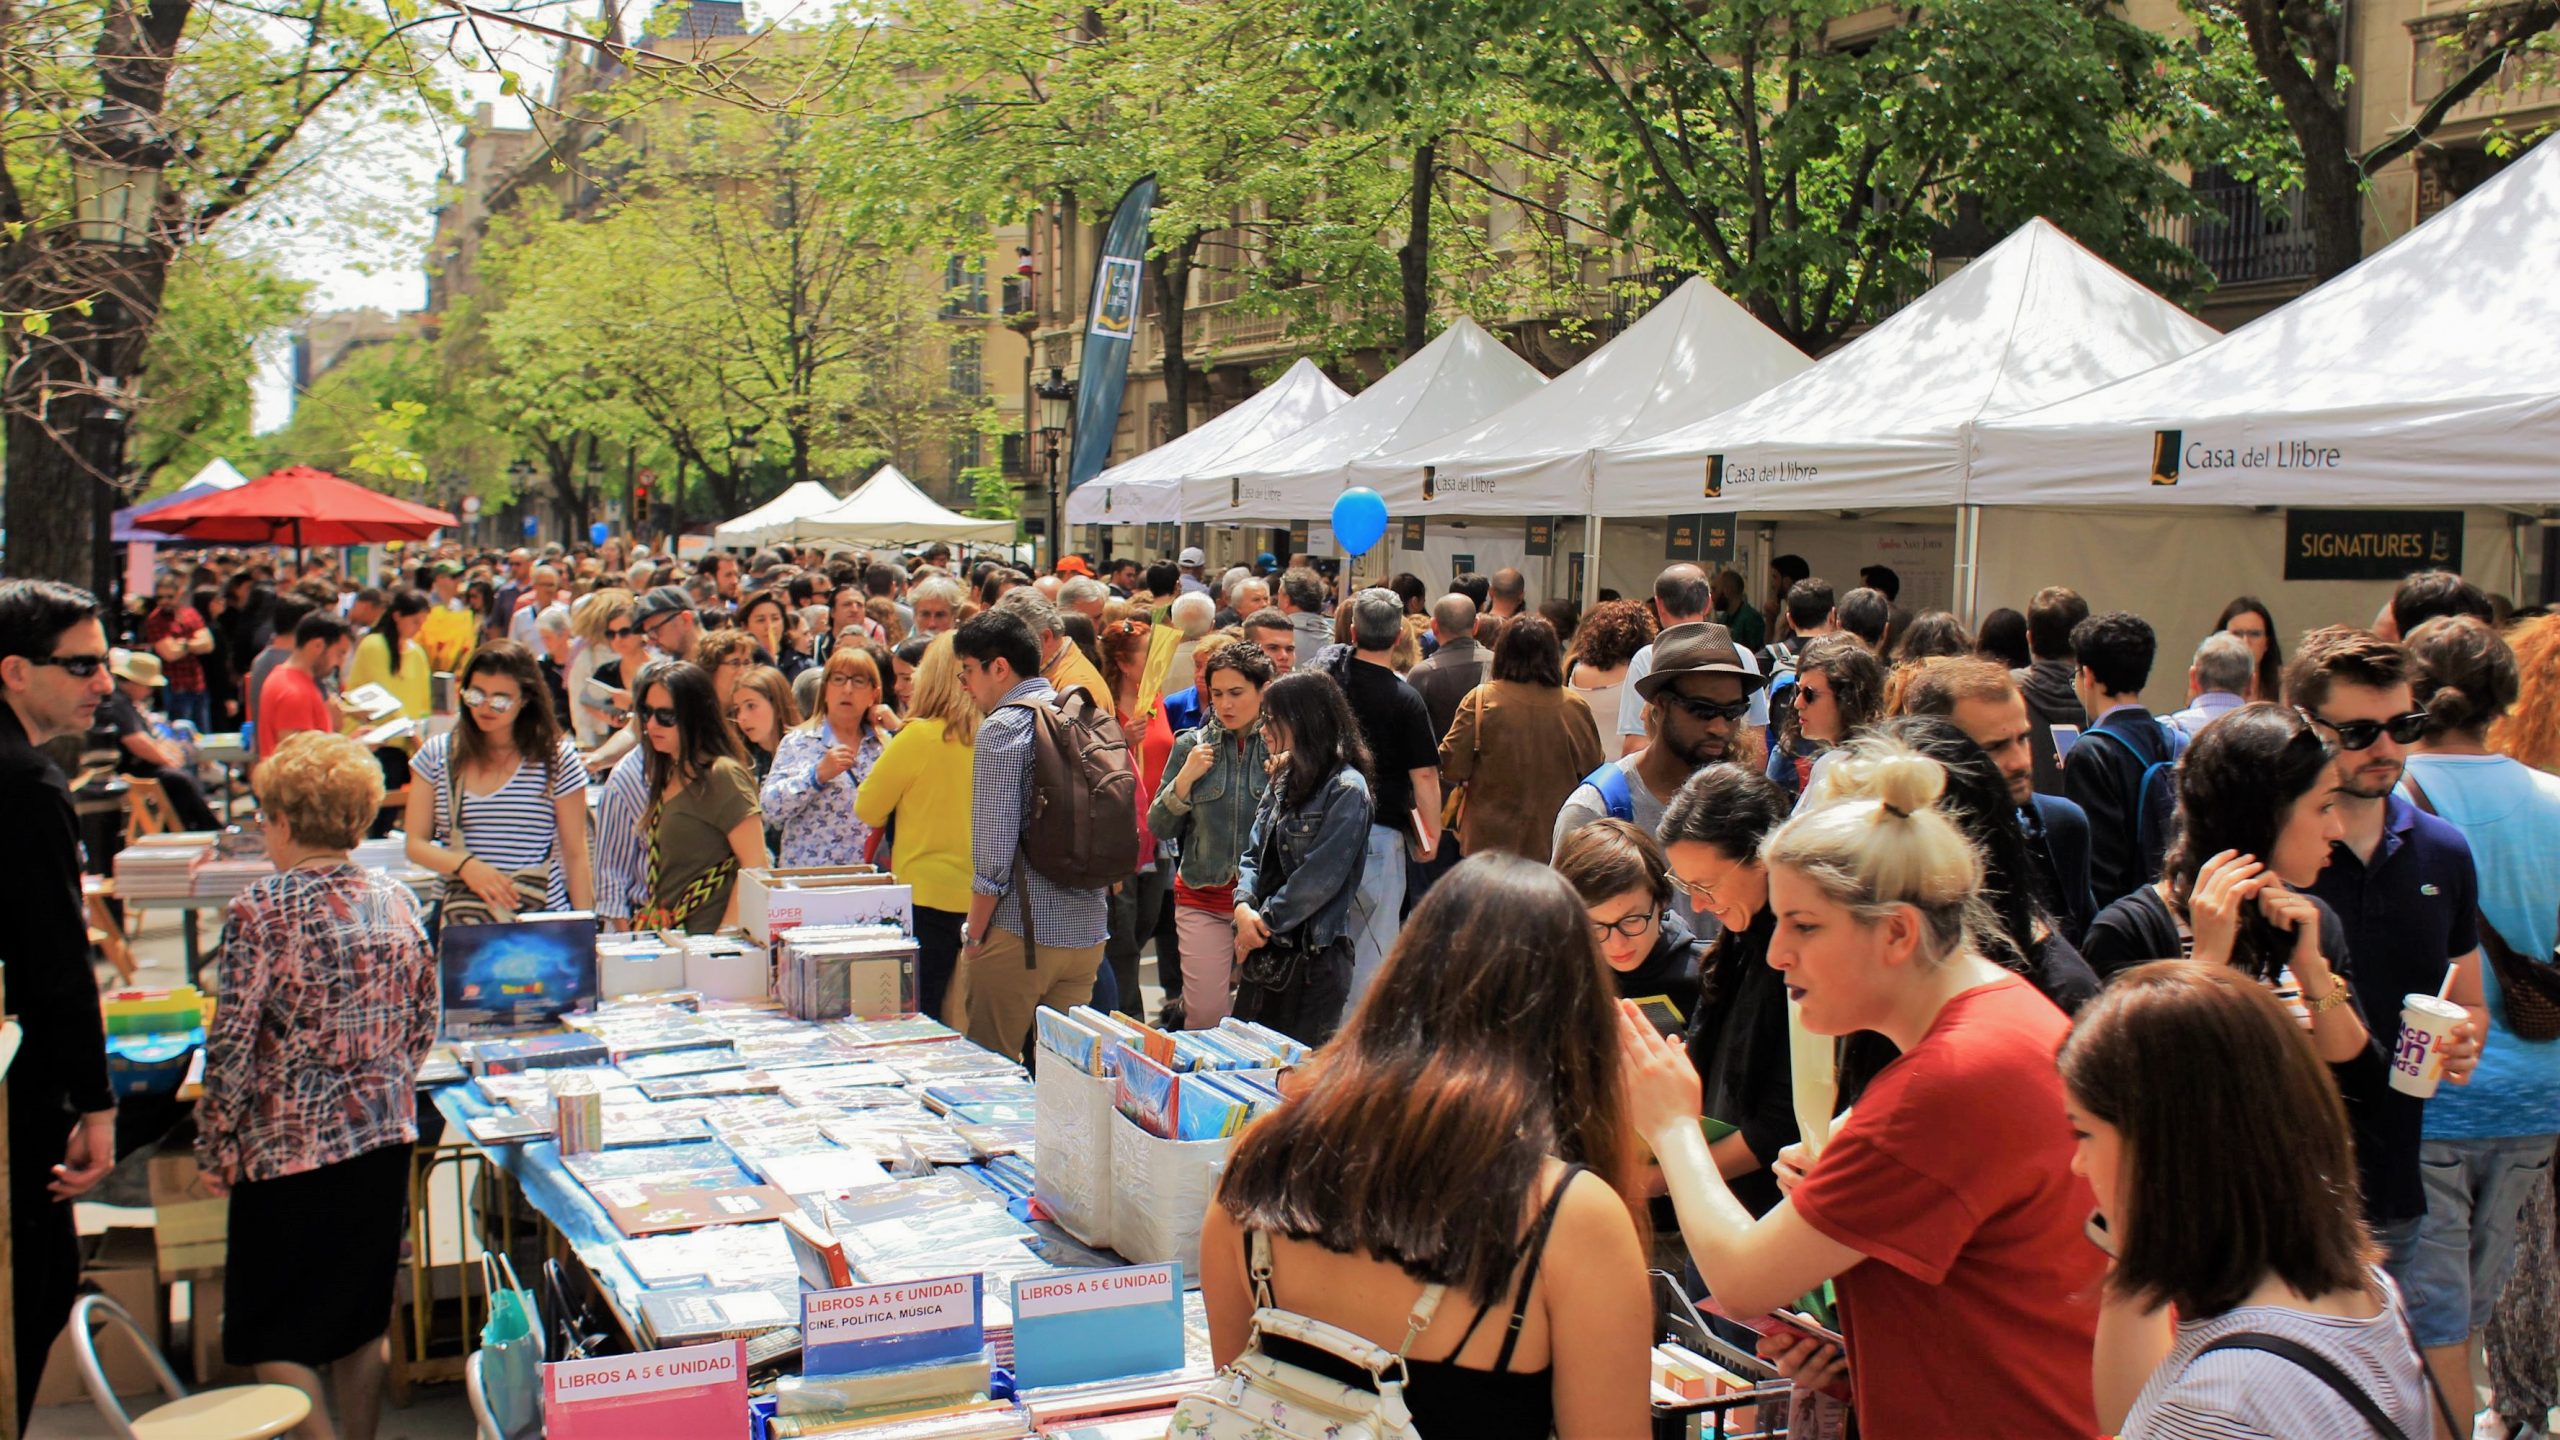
297, 506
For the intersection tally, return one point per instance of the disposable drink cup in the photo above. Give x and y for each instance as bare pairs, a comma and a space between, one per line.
2426, 1027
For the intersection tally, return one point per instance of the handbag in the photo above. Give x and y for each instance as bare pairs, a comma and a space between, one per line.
510, 1351
462, 905
1453, 806
1260, 1397
2531, 986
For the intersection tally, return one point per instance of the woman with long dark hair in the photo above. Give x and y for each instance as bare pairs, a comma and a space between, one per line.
505, 792
704, 824
766, 616
2246, 619
2003, 637
1838, 693
2257, 813
1520, 743
2227, 1201
1301, 865
1467, 1123
221, 683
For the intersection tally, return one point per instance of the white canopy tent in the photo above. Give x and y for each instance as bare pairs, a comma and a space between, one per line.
888, 509
1454, 381
1148, 489
772, 519
1887, 420
2429, 374
1693, 355
217, 474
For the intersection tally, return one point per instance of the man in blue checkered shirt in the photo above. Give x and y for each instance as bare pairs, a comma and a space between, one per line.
1030, 942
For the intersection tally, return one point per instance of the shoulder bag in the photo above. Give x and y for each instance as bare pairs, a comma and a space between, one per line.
1259, 1397
2531, 985
460, 904
2319, 1367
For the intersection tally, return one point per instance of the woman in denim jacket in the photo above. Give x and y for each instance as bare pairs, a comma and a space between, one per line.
1213, 784
1301, 868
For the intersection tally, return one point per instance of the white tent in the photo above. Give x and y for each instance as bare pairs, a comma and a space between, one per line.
1693, 355
2429, 374
772, 519
888, 509
217, 474
1887, 419
1458, 379
1148, 489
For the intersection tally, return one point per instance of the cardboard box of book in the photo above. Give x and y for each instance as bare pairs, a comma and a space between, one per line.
773, 899
192, 1224
120, 1265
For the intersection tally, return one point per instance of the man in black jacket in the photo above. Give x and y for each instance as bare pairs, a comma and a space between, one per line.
2104, 774
2052, 697
53, 673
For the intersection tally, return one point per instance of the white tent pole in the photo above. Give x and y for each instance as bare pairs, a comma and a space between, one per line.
1968, 576
1590, 560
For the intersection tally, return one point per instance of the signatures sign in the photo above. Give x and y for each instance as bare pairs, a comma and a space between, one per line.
2370, 544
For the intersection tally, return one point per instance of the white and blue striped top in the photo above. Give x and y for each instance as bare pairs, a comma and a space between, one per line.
515, 826
2251, 1395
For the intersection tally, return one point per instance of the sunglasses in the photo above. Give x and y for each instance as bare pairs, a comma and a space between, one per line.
659, 715
1629, 926
1807, 695
78, 667
1705, 710
618, 632
2360, 734
496, 702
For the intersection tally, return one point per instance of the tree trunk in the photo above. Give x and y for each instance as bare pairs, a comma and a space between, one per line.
1415, 258
1171, 273
65, 455
2304, 72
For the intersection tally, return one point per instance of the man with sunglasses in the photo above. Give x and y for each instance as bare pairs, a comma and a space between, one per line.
1697, 701
2404, 888
667, 622
53, 671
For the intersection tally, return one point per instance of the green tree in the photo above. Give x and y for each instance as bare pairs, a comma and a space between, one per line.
202, 364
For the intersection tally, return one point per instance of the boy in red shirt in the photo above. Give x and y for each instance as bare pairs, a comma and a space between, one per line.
293, 699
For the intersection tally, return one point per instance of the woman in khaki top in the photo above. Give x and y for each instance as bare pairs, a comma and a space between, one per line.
1520, 743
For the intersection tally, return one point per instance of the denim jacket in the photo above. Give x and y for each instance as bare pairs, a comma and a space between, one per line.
1214, 824
1302, 866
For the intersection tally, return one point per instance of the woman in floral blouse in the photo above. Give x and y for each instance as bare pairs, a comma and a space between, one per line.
809, 791
327, 1000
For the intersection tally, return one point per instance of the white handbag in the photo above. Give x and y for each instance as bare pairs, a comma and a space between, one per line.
1262, 1398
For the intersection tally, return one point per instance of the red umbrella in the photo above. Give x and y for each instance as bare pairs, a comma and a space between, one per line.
298, 506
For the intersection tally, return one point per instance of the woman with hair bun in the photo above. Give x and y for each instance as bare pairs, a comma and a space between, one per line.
1943, 1207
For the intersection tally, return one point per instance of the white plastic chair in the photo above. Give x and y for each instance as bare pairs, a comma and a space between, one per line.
234, 1412
476, 1389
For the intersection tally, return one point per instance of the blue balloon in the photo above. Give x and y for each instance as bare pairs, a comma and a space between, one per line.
1359, 519
598, 531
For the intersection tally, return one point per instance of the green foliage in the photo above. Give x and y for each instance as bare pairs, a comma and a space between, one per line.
991, 496
201, 365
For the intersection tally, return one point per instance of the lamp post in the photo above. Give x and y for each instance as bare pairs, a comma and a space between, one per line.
1057, 397
521, 474
116, 160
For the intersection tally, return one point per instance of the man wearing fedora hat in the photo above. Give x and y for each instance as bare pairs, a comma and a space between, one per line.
122, 726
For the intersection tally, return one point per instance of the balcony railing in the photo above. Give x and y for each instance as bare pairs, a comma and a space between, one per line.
2243, 240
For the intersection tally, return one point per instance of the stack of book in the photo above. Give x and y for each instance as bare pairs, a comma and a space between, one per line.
162, 867
830, 972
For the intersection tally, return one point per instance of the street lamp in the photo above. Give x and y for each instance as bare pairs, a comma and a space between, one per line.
115, 177
116, 159
1057, 397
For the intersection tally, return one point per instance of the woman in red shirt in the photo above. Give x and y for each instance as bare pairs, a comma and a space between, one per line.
1944, 1206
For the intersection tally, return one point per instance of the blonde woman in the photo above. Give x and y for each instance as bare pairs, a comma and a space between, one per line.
609, 645
918, 790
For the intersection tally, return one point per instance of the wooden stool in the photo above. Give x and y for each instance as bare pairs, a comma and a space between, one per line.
104, 930
235, 1412
146, 810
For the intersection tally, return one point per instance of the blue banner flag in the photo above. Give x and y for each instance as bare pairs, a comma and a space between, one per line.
1111, 322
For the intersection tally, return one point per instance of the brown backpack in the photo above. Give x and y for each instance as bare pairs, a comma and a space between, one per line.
1082, 829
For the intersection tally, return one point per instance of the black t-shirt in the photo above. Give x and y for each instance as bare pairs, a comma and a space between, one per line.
1397, 726
1738, 1042
117, 718
1670, 970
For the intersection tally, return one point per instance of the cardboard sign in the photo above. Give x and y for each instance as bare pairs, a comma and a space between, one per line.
887, 1327
1195, 536
700, 1390
1298, 532
1077, 1326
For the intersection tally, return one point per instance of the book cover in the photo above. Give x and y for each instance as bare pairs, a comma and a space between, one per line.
819, 1254
645, 1207
1144, 1091
523, 975
696, 1317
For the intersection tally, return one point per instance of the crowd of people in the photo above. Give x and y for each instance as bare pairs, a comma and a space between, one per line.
2111, 998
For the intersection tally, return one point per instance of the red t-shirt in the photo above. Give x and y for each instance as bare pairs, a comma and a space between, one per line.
1976, 1309
1154, 746
290, 701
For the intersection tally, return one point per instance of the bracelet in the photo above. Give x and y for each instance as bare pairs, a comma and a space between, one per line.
458, 866
2336, 997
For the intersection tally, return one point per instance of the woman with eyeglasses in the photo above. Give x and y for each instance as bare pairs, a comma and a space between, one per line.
766, 616
2257, 813
809, 792
2247, 619
1625, 886
504, 792
703, 823
1838, 693
608, 621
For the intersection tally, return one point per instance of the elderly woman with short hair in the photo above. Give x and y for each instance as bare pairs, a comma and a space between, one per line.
327, 1002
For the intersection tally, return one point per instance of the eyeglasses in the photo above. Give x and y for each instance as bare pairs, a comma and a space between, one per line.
495, 701
1705, 710
1701, 894
1807, 695
2406, 729
78, 667
865, 681
1627, 926
659, 715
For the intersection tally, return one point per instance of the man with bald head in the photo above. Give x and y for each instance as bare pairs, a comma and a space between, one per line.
1458, 666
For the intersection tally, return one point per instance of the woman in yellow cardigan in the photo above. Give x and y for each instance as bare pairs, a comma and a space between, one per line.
391, 657
918, 791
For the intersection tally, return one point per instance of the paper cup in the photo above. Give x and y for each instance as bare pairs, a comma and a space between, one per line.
2426, 1027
